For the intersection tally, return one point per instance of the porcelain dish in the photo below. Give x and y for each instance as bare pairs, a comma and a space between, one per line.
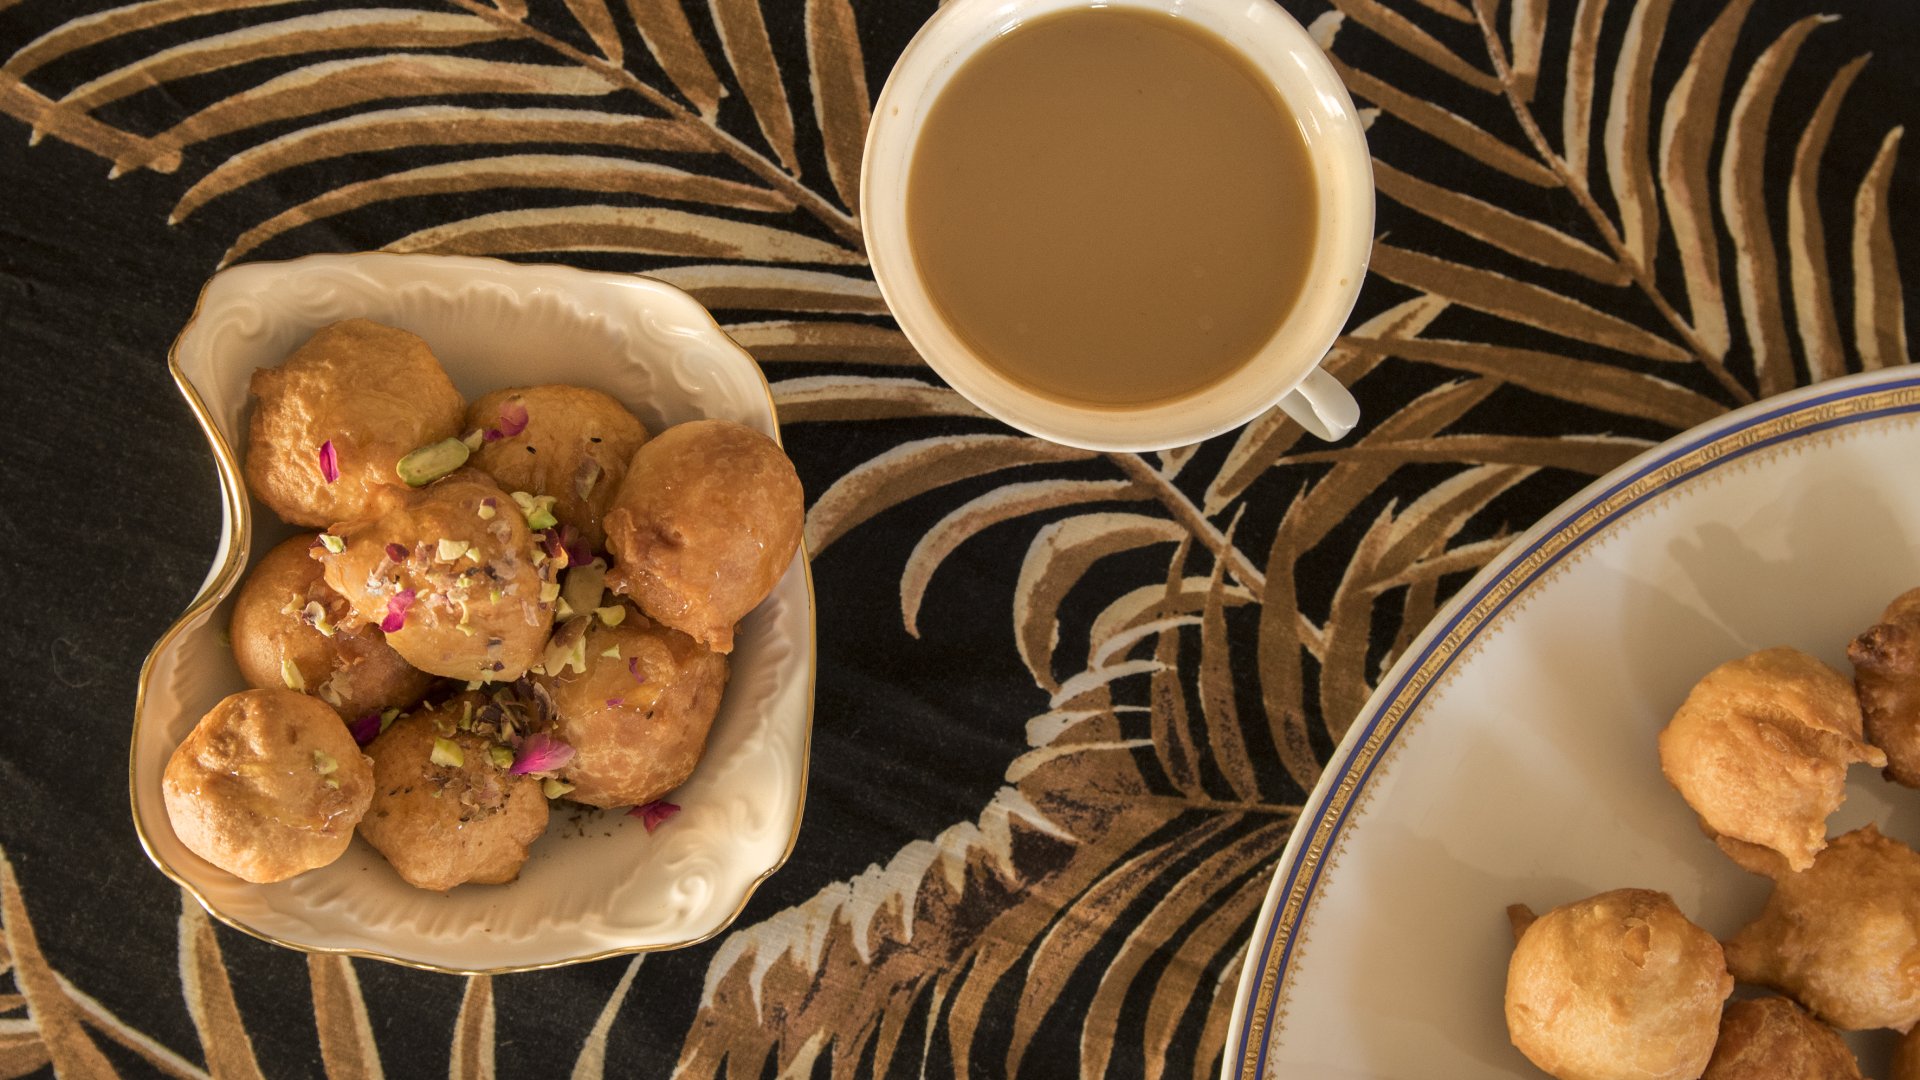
1510, 755
597, 883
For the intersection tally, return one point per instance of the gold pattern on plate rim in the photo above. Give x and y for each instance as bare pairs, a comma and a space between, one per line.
1270, 995
240, 517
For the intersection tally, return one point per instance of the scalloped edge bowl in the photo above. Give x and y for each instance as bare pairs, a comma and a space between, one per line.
597, 884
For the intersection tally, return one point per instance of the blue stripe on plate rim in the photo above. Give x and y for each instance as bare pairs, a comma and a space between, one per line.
1690, 442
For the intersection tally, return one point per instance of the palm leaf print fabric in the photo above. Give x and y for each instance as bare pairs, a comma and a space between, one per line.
1069, 703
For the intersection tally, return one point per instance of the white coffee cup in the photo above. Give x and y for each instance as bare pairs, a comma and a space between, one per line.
1285, 372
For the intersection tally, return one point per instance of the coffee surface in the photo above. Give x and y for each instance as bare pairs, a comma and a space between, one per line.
1111, 207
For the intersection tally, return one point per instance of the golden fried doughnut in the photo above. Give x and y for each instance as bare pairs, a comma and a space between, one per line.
638, 716
373, 394
1774, 1039
1844, 936
463, 818
1760, 750
568, 442
1619, 986
1886, 672
707, 520
267, 785
453, 577
287, 634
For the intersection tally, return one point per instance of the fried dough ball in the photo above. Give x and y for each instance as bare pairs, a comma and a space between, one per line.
1760, 750
286, 633
375, 393
572, 443
1844, 936
1774, 1039
705, 524
444, 811
267, 785
638, 716
1619, 986
1886, 672
454, 579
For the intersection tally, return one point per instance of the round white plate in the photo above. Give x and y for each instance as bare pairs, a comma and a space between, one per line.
1510, 756
597, 883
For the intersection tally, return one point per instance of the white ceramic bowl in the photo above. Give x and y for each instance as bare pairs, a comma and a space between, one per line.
594, 887
1284, 372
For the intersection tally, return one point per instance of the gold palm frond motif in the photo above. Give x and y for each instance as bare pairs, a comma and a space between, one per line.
1169, 651
404, 87
1578, 218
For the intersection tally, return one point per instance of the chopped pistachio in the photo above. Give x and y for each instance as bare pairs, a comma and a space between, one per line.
466, 713
502, 756
587, 475
449, 550
549, 592
586, 585
563, 610
431, 462
613, 615
554, 788
328, 694
332, 543
324, 763
316, 616
388, 717
568, 640
332, 782
473, 439
447, 752
538, 509
611, 652
290, 674
486, 512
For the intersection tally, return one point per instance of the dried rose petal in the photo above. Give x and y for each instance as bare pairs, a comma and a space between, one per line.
575, 545
329, 462
397, 606
365, 729
513, 417
633, 669
540, 752
615, 702
655, 813
397, 553
551, 544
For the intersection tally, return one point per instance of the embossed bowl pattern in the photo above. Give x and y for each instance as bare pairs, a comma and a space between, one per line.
597, 883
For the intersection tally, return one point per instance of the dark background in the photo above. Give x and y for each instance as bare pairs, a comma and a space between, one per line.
109, 516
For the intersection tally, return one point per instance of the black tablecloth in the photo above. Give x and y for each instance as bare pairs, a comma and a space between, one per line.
994, 875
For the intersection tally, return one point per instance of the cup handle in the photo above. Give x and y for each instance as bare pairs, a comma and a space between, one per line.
1322, 406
